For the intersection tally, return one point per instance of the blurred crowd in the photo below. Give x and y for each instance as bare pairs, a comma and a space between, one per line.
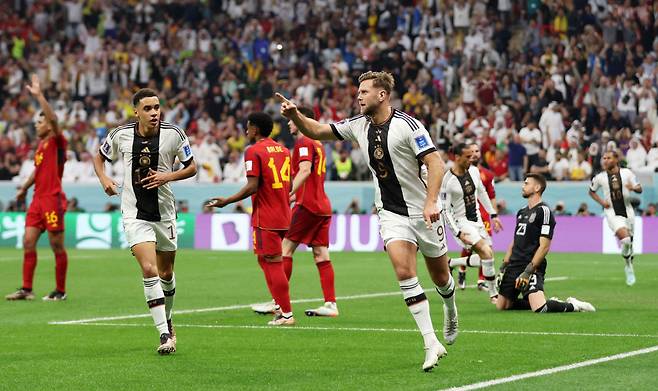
543, 86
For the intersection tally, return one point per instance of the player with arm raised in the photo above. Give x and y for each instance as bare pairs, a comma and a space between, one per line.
395, 145
617, 183
267, 164
46, 211
524, 267
311, 218
461, 191
148, 149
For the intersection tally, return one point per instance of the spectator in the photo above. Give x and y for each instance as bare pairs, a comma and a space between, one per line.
541, 166
636, 156
518, 160
343, 165
559, 167
234, 171
531, 138
560, 209
581, 170
583, 210
650, 211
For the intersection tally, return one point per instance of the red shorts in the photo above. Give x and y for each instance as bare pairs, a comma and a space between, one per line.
47, 213
268, 242
309, 228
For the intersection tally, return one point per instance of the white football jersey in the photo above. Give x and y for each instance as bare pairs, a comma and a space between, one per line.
394, 152
615, 191
140, 154
460, 196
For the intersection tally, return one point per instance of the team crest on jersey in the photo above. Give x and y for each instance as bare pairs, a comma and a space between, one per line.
532, 217
421, 142
379, 152
468, 187
615, 184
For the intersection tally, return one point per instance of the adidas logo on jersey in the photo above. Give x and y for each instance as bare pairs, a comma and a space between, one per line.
146, 150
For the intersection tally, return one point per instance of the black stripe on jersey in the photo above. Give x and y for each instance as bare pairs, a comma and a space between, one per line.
617, 193
116, 130
355, 118
336, 132
380, 160
420, 173
425, 153
167, 125
145, 155
470, 201
407, 118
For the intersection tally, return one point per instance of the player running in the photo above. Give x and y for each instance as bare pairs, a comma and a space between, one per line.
617, 183
461, 190
524, 266
395, 146
148, 149
487, 178
267, 164
46, 212
311, 218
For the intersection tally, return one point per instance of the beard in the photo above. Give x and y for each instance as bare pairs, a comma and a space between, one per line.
525, 195
369, 110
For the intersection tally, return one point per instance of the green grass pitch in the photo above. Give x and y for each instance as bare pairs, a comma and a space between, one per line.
372, 345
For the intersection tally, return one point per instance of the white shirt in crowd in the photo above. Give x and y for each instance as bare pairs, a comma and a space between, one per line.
531, 140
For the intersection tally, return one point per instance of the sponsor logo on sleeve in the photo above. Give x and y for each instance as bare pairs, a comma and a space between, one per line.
545, 229
248, 165
187, 151
303, 151
421, 142
106, 147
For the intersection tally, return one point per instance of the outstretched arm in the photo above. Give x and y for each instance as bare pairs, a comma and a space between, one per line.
35, 90
250, 188
308, 126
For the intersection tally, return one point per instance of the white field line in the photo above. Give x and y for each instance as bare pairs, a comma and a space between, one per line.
243, 306
362, 329
550, 371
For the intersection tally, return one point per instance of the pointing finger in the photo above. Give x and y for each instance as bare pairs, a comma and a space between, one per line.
281, 98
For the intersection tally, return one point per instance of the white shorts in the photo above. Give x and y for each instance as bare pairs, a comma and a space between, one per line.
618, 222
163, 233
475, 231
431, 242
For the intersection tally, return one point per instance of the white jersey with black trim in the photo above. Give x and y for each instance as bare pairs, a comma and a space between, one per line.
460, 196
394, 151
140, 154
615, 191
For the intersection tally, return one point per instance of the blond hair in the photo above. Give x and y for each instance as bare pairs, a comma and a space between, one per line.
383, 80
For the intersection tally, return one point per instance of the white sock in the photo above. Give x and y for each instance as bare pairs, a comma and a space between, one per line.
448, 293
489, 272
169, 290
419, 307
627, 248
472, 260
155, 300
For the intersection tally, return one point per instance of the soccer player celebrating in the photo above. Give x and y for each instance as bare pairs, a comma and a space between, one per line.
524, 266
148, 149
487, 178
461, 190
395, 145
46, 212
617, 183
267, 164
311, 218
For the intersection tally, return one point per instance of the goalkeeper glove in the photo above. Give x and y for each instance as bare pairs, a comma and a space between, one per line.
522, 280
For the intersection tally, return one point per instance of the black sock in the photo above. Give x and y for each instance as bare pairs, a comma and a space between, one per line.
522, 304
555, 306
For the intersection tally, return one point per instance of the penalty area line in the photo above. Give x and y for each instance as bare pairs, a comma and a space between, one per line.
550, 371
246, 306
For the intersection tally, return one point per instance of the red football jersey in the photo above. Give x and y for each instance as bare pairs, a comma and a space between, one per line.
311, 194
487, 178
270, 162
49, 165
